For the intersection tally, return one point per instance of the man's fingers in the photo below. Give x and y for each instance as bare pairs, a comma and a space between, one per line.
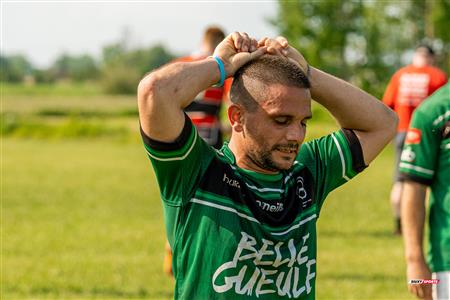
262, 41
274, 47
427, 291
412, 289
257, 53
246, 42
419, 291
274, 51
283, 41
237, 39
423, 291
254, 45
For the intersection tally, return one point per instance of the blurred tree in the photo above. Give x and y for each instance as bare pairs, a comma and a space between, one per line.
14, 68
439, 19
44, 76
123, 69
113, 54
320, 30
363, 41
76, 68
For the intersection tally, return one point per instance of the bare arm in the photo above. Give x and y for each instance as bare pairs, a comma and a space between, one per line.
413, 220
164, 93
374, 123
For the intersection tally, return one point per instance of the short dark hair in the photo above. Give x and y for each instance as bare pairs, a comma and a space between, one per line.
213, 36
428, 48
268, 69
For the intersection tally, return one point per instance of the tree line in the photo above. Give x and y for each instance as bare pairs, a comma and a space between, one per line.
363, 41
118, 71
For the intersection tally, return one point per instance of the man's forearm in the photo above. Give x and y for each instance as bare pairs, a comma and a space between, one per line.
180, 82
164, 93
352, 107
413, 219
373, 122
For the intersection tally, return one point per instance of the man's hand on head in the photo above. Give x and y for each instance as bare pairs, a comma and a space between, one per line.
280, 46
237, 49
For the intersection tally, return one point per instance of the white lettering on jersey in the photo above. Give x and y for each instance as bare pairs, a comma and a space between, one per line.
413, 88
277, 207
268, 279
231, 182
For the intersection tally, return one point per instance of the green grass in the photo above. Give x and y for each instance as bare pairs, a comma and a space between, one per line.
82, 219
64, 89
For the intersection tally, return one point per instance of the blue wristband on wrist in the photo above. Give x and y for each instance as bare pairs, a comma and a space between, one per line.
223, 75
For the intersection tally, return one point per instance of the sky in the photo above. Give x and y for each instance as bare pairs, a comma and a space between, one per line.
42, 30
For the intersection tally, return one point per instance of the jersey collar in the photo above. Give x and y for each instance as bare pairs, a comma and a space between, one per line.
254, 175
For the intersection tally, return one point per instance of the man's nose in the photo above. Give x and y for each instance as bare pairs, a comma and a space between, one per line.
295, 132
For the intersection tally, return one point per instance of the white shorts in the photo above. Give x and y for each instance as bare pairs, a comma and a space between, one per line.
441, 291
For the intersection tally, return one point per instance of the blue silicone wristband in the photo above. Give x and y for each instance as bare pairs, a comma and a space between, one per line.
222, 71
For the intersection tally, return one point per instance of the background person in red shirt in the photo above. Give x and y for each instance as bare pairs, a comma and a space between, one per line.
204, 111
407, 88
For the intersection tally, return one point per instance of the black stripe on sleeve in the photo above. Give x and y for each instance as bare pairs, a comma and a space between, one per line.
179, 142
358, 163
415, 178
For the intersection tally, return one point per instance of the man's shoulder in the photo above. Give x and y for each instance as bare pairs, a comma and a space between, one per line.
437, 72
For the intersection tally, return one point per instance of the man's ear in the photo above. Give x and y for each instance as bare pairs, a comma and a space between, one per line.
236, 117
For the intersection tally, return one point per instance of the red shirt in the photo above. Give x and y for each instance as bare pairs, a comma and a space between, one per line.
409, 87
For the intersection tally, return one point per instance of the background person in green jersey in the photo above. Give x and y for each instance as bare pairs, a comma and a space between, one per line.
425, 162
407, 88
242, 220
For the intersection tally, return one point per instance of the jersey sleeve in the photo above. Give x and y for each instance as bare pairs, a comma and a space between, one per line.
179, 165
419, 156
333, 160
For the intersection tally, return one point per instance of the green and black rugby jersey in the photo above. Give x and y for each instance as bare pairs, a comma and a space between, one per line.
238, 234
426, 159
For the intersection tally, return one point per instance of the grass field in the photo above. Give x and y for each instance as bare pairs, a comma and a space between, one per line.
81, 216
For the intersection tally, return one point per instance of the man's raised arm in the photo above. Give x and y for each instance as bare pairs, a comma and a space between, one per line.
372, 121
164, 93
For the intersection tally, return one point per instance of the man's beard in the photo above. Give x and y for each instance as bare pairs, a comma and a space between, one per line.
263, 157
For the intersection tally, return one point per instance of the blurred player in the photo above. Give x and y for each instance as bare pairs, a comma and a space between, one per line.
425, 162
407, 89
204, 111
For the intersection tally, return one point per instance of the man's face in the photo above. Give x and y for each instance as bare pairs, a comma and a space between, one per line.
274, 131
422, 57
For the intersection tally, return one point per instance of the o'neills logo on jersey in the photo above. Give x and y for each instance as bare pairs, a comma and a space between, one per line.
277, 207
282, 269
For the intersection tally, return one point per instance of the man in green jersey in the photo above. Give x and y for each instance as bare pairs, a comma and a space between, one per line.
242, 220
425, 162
